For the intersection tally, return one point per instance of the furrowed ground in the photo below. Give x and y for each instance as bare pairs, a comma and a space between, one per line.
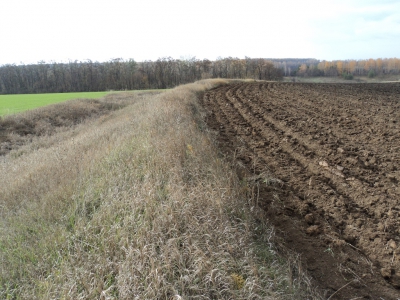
334, 151
127, 198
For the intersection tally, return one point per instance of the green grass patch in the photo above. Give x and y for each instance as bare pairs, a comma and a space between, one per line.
11, 104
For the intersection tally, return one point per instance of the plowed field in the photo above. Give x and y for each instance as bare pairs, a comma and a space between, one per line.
334, 150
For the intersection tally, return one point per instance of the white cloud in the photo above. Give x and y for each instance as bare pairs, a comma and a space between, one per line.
359, 29
100, 30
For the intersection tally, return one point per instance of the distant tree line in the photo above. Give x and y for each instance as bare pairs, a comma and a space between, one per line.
119, 74
348, 68
290, 66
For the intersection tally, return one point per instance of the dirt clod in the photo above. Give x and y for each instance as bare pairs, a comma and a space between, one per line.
309, 218
386, 273
313, 230
392, 244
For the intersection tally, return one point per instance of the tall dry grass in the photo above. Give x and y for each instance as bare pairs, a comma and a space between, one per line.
137, 205
21, 129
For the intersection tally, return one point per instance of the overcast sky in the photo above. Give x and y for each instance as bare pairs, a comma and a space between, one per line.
63, 30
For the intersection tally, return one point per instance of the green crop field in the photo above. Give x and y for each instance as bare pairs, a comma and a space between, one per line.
10, 104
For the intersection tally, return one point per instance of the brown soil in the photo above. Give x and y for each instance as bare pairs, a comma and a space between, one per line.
335, 152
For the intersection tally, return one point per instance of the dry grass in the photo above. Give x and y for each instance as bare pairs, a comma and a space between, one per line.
136, 205
20, 129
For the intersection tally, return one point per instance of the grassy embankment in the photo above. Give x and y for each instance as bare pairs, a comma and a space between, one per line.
135, 204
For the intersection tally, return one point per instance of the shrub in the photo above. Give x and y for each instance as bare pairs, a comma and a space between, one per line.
371, 74
347, 76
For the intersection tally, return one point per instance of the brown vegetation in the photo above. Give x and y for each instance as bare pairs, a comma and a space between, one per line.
364, 67
19, 129
136, 204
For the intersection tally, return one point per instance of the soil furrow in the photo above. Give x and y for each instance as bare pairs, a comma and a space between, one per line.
336, 149
292, 142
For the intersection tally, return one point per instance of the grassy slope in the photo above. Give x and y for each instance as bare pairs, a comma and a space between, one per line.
137, 204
